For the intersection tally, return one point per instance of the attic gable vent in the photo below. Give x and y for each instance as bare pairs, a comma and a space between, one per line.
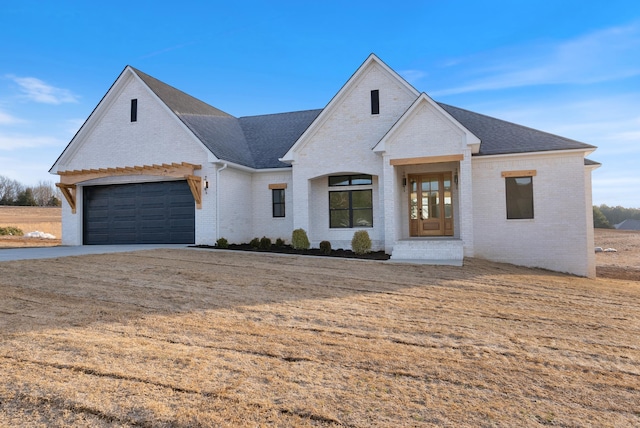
375, 101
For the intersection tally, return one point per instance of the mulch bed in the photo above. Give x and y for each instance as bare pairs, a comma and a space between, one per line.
287, 249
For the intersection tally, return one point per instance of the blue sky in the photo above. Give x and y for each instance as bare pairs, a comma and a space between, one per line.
567, 67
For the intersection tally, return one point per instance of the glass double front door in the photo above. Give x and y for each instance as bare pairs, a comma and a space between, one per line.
430, 205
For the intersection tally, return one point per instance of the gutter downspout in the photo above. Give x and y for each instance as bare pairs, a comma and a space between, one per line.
218, 199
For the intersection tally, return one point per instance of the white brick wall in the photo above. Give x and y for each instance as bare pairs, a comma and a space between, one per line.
110, 139
427, 132
342, 144
556, 238
264, 224
235, 206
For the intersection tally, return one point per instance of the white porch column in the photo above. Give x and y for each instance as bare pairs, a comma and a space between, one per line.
388, 200
465, 189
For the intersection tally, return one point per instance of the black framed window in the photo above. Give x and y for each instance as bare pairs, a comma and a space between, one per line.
350, 180
375, 101
519, 192
134, 110
351, 208
277, 197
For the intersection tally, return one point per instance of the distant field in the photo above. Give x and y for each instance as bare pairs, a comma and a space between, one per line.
31, 219
186, 338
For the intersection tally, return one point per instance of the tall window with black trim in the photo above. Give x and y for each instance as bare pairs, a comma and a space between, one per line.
277, 197
375, 101
134, 110
519, 191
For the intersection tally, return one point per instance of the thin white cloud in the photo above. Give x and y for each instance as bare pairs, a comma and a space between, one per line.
16, 142
413, 76
7, 119
41, 92
604, 55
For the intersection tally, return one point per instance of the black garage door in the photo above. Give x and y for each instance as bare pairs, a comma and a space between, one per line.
140, 213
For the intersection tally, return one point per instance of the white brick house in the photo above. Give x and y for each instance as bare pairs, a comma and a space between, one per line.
426, 180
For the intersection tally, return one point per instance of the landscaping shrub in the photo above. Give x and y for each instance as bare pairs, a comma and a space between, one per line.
325, 247
361, 243
265, 243
11, 230
279, 243
222, 243
300, 240
255, 243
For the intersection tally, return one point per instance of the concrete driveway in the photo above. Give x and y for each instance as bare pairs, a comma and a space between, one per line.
8, 254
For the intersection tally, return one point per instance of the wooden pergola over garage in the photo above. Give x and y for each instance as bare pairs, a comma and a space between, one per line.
184, 170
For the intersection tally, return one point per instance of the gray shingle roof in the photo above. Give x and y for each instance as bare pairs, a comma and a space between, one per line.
176, 100
271, 136
628, 224
259, 141
502, 137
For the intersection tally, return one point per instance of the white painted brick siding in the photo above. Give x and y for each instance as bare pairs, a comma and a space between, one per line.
111, 140
342, 144
556, 238
264, 224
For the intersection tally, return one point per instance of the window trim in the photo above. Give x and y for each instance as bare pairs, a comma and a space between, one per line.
351, 178
375, 102
134, 110
280, 204
510, 199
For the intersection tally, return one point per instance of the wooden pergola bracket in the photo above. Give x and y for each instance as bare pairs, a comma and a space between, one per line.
195, 184
69, 193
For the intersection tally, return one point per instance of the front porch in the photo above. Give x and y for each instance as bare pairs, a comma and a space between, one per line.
432, 250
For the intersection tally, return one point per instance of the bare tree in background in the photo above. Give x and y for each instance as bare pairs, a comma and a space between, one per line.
9, 190
46, 194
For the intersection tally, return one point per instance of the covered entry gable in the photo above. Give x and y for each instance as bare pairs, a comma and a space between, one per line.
426, 130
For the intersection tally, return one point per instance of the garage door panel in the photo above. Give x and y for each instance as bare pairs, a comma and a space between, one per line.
159, 212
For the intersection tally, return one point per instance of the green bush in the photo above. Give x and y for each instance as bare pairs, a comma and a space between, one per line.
361, 243
11, 230
279, 243
222, 243
325, 247
255, 243
265, 243
299, 240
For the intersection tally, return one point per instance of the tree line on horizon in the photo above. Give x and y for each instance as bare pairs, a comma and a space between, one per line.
44, 194
605, 217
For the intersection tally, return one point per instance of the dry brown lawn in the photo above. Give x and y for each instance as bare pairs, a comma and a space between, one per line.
192, 337
31, 219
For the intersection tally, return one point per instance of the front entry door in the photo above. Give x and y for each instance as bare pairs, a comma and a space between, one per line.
431, 205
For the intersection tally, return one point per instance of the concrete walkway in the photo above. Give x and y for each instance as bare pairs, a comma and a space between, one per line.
8, 254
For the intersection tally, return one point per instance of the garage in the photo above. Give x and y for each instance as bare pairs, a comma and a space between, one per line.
139, 213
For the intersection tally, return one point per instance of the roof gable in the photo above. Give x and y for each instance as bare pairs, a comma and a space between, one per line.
124, 81
353, 81
425, 101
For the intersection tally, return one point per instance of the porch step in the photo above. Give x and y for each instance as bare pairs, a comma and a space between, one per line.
445, 251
